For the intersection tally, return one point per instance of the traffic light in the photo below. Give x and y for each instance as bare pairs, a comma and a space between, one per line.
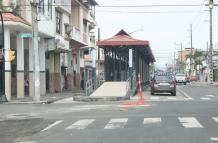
211, 3
11, 55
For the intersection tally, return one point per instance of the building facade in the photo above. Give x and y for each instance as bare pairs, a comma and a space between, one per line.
64, 38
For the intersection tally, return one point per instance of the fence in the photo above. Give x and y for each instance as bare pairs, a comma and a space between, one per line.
92, 84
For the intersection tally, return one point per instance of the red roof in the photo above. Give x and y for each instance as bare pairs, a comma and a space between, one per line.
13, 18
122, 38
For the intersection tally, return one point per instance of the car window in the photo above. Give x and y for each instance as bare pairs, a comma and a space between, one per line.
163, 78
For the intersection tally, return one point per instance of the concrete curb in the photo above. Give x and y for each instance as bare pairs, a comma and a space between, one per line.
35, 102
95, 99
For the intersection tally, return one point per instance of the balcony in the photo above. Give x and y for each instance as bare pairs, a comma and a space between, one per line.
64, 5
76, 37
87, 58
88, 15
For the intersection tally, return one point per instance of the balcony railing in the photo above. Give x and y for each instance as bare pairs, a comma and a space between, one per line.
76, 33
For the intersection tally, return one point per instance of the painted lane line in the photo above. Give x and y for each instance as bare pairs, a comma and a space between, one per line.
171, 98
52, 125
215, 119
80, 124
205, 98
190, 122
151, 120
187, 97
116, 123
154, 98
28, 142
214, 139
210, 95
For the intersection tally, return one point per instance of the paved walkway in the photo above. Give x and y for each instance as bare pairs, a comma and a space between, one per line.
48, 98
199, 83
111, 89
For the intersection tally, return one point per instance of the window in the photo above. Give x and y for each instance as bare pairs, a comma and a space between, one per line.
58, 22
41, 6
50, 8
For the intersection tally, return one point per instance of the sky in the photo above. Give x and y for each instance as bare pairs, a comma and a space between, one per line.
164, 27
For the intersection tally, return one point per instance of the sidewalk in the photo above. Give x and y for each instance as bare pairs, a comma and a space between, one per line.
48, 98
204, 84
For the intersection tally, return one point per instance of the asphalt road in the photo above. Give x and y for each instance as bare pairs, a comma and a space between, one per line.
190, 117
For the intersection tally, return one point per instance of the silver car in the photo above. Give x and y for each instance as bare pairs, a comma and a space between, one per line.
163, 83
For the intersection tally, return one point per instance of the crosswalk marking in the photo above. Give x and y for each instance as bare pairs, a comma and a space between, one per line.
155, 98
172, 98
205, 98
190, 122
116, 123
80, 124
151, 120
52, 125
214, 138
210, 95
215, 119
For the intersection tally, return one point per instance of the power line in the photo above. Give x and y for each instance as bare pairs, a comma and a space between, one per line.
160, 5
152, 12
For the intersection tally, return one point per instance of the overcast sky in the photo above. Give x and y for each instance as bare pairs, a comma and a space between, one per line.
165, 27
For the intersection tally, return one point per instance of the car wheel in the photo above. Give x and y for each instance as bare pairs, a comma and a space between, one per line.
152, 92
184, 83
174, 93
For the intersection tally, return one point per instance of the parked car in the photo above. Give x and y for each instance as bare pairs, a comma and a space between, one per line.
181, 78
163, 83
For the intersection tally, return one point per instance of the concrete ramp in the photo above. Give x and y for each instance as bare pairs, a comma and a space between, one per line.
111, 89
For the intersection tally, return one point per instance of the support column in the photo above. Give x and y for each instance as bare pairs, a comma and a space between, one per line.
78, 69
42, 67
20, 67
7, 65
130, 66
31, 81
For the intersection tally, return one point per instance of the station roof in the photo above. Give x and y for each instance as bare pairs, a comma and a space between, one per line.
122, 38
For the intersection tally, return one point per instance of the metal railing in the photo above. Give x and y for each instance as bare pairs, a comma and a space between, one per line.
92, 84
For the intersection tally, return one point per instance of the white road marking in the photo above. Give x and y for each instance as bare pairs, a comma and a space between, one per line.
28, 142
52, 125
210, 95
205, 98
171, 98
80, 124
190, 122
214, 138
215, 119
116, 123
151, 120
154, 98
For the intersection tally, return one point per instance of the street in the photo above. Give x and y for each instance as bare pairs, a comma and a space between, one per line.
192, 119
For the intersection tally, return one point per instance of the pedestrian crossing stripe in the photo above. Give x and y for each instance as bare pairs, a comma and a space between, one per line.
116, 123
80, 124
190, 122
205, 98
151, 120
52, 125
215, 119
119, 123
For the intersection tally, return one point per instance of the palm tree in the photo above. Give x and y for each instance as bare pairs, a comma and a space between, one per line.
197, 58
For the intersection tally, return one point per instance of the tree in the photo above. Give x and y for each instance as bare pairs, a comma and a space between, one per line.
197, 57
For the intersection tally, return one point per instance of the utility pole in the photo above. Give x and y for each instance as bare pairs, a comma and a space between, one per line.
36, 79
191, 58
211, 44
181, 58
